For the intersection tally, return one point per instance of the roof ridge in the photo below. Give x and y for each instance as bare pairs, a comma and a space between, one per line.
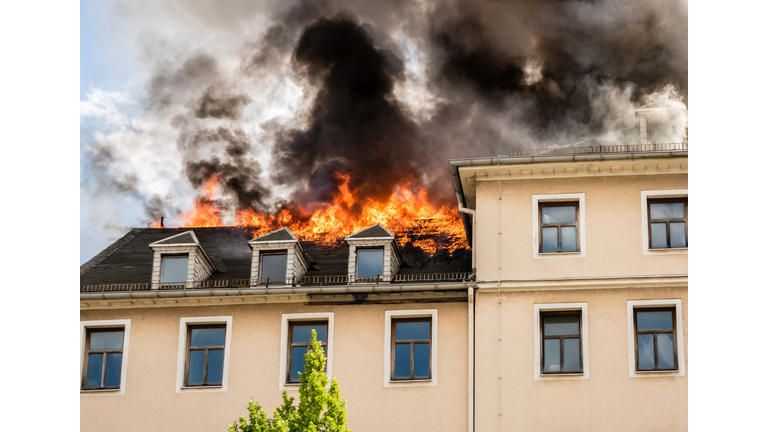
109, 250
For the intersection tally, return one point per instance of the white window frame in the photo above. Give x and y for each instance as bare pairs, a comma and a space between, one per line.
182, 358
560, 307
639, 304
284, 342
395, 314
84, 325
644, 196
565, 198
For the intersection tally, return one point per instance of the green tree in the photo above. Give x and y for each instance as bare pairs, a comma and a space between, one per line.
321, 408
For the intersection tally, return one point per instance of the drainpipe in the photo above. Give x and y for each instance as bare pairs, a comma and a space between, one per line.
471, 213
471, 359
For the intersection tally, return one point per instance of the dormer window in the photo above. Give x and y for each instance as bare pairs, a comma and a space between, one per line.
373, 256
370, 264
274, 268
175, 269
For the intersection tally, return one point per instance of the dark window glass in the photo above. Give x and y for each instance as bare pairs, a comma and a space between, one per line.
175, 269
103, 358
300, 336
561, 342
411, 349
370, 262
205, 355
667, 221
274, 268
558, 224
655, 339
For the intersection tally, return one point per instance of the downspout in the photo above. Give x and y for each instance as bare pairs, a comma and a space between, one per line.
471, 213
471, 332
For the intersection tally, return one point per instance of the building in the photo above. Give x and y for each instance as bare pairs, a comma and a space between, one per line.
569, 314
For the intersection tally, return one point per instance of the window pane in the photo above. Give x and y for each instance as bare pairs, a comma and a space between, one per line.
95, 364
565, 214
568, 237
273, 266
196, 365
215, 366
412, 330
654, 320
112, 340
403, 361
207, 337
549, 239
175, 269
303, 333
370, 262
645, 351
551, 355
561, 325
114, 365
677, 234
665, 343
668, 210
571, 359
297, 362
421, 360
658, 235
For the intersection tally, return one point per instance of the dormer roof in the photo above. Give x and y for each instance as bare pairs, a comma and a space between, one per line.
278, 236
187, 238
373, 232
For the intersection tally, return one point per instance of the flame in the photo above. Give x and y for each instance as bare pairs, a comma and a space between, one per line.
407, 213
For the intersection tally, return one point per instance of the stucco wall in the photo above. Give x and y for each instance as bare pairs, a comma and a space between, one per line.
609, 400
613, 228
151, 403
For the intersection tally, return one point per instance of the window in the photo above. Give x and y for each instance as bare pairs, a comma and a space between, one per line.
300, 335
561, 342
656, 346
273, 268
205, 355
668, 223
655, 339
559, 227
104, 357
203, 358
174, 269
370, 264
664, 226
410, 348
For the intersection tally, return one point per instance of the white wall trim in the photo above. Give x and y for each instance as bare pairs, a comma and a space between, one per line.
394, 314
182, 355
126, 324
559, 307
644, 195
581, 198
286, 318
678, 305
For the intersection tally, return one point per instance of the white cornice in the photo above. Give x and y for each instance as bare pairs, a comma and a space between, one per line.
652, 281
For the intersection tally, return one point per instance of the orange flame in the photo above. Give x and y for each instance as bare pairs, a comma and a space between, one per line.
407, 213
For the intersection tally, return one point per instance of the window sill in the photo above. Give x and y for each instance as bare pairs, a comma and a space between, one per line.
99, 390
657, 371
203, 387
567, 374
410, 381
560, 253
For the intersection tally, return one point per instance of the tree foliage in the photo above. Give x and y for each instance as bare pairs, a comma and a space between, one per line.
321, 408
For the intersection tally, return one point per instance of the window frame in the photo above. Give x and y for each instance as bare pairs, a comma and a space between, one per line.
561, 338
182, 363
578, 199
655, 339
369, 278
645, 227
206, 349
559, 226
393, 315
291, 344
162, 267
538, 346
393, 330
261, 266
650, 221
679, 342
285, 341
105, 355
85, 327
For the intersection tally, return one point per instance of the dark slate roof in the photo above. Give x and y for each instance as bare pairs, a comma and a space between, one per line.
370, 232
280, 235
129, 260
185, 238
